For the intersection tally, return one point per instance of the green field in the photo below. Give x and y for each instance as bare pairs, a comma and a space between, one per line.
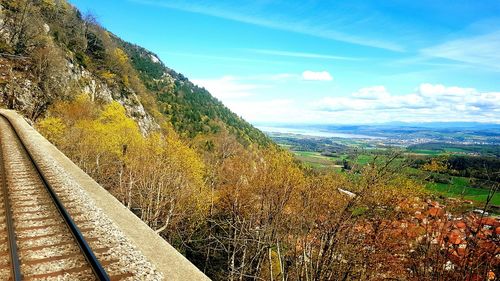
455, 150
359, 153
316, 160
460, 189
364, 159
426, 152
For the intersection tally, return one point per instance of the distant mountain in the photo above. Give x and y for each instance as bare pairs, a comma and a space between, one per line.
437, 125
463, 132
455, 125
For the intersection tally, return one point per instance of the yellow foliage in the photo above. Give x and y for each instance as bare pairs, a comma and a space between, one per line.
120, 56
106, 35
113, 132
106, 141
118, 64
80, 108
49, 3
271, 268
81, 99
170, 186
126, 81
186, 158
436, 165
52, 128
167, 129
108, 76
279, 173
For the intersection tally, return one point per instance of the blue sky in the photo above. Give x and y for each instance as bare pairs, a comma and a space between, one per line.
312, 61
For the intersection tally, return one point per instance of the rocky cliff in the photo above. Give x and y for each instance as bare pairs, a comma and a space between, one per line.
49, 51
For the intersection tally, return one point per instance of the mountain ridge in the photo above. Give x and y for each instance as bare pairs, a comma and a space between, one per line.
84, 56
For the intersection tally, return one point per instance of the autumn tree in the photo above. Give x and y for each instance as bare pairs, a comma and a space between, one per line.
47, 68
24, 24
436, 165
53, 128
167, 192
170, 188
254, 194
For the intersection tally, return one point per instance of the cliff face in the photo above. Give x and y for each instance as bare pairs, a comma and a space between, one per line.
50, 51
99, 90
34, 76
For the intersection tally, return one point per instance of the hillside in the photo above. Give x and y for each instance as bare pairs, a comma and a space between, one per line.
222, 193
58, 40
191, 109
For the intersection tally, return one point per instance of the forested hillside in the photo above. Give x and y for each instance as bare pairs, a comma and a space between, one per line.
217, 189
191, 109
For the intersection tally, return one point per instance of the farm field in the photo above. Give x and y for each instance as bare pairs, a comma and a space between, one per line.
324, 154
460, 188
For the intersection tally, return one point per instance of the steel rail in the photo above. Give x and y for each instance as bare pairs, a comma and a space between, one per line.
11, 236
96, 266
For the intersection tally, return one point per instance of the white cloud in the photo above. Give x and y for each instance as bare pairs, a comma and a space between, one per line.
253, 98
277, 110
316, 76
427, 103
371, 93
482, 50
227, 87
249, 97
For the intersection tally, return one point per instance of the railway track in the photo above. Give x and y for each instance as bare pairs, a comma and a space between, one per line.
39, 239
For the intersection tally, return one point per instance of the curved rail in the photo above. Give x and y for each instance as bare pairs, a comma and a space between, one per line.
11, 236
96, 266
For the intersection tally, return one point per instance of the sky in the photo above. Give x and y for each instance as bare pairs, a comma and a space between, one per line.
325, 62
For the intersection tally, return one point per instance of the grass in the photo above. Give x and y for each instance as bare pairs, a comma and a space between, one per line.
315, 159
459, 188
426, 151
308, 154
364, 159
452, 150
455, 150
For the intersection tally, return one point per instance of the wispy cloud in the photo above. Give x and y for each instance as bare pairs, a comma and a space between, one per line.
230, 12
301, 55
482, 50
372, 93
309, 75
228, 87
235, 87
266, 110
219, 58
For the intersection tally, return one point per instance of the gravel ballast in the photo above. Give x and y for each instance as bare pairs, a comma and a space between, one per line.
124, 240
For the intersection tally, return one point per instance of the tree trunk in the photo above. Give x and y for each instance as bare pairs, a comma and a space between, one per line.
269, 253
